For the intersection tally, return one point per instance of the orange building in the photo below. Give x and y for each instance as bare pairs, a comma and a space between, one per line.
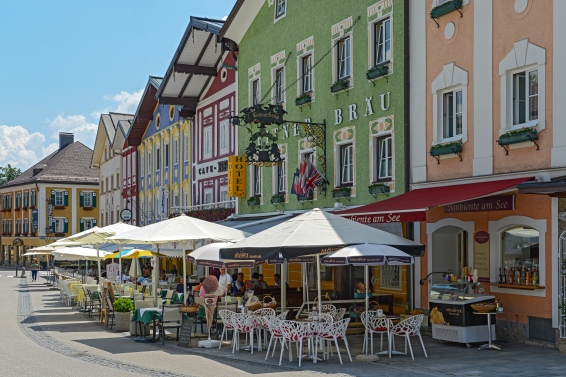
54, 198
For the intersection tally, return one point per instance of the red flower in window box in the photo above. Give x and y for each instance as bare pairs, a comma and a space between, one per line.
59, 207
31, 207
88, 208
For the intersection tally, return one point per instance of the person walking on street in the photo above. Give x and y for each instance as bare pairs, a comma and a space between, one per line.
34, 269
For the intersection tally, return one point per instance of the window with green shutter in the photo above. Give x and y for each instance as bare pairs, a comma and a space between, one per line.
66, 226
82, 228
87, 199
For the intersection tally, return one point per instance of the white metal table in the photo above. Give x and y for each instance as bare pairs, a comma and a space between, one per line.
489, 345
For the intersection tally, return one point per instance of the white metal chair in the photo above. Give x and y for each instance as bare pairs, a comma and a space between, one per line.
326, 308
323, 317
243, 324
283, 315
295, 332
274, 325
338, 315
375, 324
336, 331
226, 316
265, 312
407, 328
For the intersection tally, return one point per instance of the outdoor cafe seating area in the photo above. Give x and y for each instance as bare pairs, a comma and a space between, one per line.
281, 323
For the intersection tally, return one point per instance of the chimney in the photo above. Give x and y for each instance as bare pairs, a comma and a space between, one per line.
65, 138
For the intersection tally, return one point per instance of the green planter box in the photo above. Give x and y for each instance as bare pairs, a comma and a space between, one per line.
446, 149
302, 100
341, 194
304, 198
377, 72
277, 200
338, 86
514, 139
446, 8
253, 202
378, 190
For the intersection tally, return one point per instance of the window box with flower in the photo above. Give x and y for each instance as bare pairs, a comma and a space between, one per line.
518, 136
254, 201
378, 188
341, 192
447, 148
278, 199
303, 99
378, 71
339, 86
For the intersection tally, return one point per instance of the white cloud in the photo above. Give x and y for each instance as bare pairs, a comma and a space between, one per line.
224, 18
21, 149
84, 131
127, 103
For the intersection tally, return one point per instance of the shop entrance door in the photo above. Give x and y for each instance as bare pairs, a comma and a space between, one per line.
449, 251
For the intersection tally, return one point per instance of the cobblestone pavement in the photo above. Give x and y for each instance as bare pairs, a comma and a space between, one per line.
46, 321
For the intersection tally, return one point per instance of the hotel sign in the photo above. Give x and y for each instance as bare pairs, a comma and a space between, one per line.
492, 203
237, 176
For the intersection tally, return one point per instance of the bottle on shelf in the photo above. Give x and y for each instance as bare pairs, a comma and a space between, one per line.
535, 277
504, 276
500, 276
511, 275
517, 277
523, 275
527, 277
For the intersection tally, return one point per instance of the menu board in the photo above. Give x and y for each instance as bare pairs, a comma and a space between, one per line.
481, 260
185, 334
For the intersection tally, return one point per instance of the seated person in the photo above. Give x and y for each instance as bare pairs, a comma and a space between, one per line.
260, 282
239, 284
180, 286
92, 272
147, 273
162, 276
277, 279
174, 270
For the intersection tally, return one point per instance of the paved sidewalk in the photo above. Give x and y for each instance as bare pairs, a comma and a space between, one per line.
73, 334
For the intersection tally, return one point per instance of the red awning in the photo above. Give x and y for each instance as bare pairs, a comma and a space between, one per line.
412, 205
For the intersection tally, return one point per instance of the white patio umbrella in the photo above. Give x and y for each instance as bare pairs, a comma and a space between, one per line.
79, 253
367, 255
135, 269
209, 256
97, 236
183, 230
314, 232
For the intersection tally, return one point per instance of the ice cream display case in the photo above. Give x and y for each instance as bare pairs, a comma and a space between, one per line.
452, 316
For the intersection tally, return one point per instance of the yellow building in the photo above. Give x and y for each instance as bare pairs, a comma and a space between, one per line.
55, 198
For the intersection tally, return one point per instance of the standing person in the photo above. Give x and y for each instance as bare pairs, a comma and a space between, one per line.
225, 280
174, 270
34, 269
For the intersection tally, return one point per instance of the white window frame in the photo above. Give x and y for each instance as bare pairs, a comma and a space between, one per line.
87, 194
280, 9
450, 79
175, 151
450, 113
157, 159
257, 180
306, 85
166, 155
59, 224
57, 194
210, 194
378, 150
376, 26
224, 136
527, 97
90, 221
344, 55
347, 166
280, 177
186, 147
207, 142
224, 195
523, 57
279, 84
255, 91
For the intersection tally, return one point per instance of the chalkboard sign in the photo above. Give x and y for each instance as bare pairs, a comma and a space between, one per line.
185, 336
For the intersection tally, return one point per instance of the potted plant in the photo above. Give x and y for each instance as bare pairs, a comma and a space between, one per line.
302, 99
445, 8
341, 192
253, 201
278, 198
122, 310
305, 198
377, 71
378, 188
446, 148
339, 86
518, 136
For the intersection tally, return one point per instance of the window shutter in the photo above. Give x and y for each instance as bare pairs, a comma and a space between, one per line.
82, 201
53, 227
53, 197
66, 227
94, 222
94, 200
82, 221
65, 198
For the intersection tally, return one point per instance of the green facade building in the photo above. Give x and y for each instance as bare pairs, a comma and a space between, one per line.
335, 62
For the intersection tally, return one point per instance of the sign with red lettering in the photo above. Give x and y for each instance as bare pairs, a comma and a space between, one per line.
492, 203
389, 217
481, 237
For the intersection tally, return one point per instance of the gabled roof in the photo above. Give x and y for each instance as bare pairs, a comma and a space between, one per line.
144, 112
68, 165
110, 127
240, 19
194, 64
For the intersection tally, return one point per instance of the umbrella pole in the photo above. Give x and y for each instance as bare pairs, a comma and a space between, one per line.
283, 285
99, 265
305, 286
318, 288
366, 281
184, 276
120, 263
155, 278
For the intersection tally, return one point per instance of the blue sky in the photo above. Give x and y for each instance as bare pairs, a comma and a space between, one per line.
63, 62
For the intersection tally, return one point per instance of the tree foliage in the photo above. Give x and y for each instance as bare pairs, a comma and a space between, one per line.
8, 173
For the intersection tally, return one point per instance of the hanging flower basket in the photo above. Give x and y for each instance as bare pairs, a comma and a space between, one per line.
449, 148
378, 188
445, 8
519, 136
376, 72
339, 86
341, 192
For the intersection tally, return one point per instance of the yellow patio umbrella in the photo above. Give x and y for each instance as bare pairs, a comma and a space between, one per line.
135, 253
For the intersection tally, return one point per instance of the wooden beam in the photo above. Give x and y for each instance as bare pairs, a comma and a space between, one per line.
184, 101
194, 69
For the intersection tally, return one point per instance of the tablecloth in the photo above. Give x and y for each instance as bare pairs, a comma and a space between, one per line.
146, 315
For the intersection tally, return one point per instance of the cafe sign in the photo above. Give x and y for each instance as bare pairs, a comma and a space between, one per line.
492, 203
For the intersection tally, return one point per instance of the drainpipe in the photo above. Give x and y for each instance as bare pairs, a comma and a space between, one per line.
407, 137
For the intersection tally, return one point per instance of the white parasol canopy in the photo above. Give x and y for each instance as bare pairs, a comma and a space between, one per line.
82, 253
135, 269
182, 229
209, 255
